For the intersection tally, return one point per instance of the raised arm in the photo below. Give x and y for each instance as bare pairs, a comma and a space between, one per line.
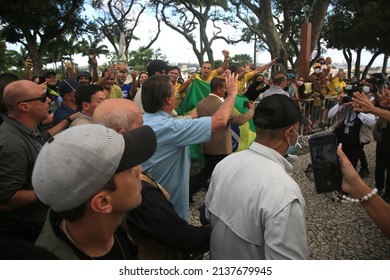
225, 63
264, 67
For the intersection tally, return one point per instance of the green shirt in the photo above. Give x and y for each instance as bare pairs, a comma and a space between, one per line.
19, 147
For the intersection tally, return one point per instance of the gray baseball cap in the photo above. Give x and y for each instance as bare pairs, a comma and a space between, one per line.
76, 163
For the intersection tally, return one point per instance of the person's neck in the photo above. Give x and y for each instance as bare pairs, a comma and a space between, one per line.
277, 145
95, 238
25, 120
70, 104
87, 113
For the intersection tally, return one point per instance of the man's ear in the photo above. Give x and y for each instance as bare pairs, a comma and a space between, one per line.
287, 133
101, 202
168, 100
86, 106
24, 106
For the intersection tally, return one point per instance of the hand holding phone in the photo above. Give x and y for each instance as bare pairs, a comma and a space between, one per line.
326, 165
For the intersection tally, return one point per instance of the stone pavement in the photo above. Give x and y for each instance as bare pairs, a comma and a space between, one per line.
335, 231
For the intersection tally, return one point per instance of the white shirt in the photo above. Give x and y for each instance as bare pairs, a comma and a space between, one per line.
256, 209
367, 119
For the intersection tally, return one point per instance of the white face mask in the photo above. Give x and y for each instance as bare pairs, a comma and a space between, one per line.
317, 70
299, 83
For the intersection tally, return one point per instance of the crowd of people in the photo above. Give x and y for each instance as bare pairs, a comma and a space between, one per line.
99, 168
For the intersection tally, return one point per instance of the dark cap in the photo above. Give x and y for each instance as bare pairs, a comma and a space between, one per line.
86, 74
50, 73
67, 85
278, 111
156, 65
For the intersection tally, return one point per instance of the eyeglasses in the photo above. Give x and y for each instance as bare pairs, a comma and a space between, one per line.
41, 98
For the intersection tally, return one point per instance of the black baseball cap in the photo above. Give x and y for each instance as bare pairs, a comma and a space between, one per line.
278, 111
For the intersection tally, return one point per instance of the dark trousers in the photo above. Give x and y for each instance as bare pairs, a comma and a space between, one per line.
382, 169
353, 152
201, 179
363, 160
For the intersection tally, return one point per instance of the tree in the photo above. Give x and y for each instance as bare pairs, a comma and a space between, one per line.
119, 21
189, 17
35, 23
240, 60
140, 58
277, 24
3, 59
357, 25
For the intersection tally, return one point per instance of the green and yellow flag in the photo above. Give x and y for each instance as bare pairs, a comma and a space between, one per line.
242, 136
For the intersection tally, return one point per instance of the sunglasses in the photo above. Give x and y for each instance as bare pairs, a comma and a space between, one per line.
41, 98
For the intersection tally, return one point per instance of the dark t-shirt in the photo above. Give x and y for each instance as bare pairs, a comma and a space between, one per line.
19, 148
61, 113
126, 88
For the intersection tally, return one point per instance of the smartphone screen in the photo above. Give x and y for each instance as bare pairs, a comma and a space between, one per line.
326, 165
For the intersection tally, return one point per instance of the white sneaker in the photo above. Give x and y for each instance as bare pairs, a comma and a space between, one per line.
291, 158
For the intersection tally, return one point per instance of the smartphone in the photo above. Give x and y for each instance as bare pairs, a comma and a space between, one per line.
91, 53
326, 165
130, 69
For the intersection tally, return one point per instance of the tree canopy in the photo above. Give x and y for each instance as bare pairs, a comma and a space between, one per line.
35, 23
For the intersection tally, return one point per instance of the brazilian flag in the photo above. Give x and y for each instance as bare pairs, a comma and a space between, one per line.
242, 136
195, 93
245, 134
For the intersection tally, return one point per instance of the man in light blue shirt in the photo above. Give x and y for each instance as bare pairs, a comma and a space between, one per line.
170, 165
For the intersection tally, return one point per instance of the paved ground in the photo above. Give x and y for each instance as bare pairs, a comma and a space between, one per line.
335, 231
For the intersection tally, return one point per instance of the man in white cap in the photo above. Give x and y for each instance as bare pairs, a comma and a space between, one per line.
89, 177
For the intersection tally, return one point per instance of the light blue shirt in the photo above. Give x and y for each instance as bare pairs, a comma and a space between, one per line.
170, 164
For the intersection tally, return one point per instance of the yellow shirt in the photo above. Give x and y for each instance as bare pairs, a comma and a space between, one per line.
244, 81
178, 97
212, 75
116, 92
336, 86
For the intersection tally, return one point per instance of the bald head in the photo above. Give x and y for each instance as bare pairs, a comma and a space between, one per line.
118, 114
18, 91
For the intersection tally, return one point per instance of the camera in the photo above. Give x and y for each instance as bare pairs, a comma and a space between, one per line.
180, 80
349, 90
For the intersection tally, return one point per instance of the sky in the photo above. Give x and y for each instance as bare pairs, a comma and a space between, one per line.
178, 50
